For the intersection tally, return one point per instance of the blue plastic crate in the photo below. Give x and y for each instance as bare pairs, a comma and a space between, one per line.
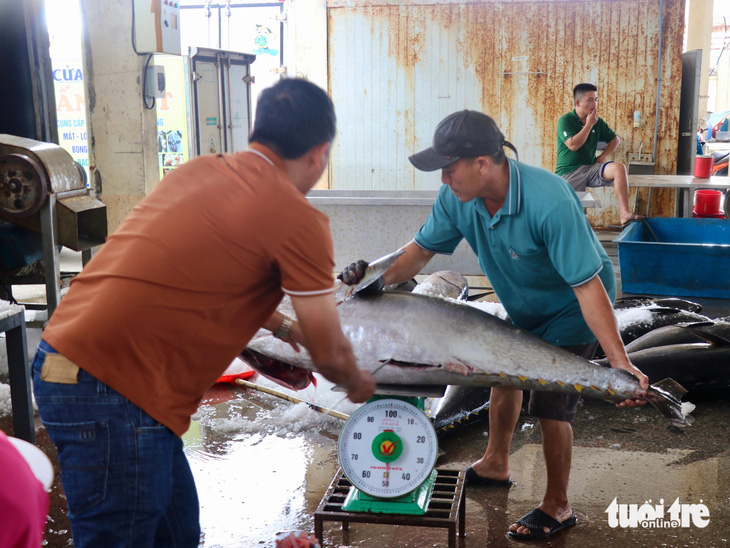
687, 257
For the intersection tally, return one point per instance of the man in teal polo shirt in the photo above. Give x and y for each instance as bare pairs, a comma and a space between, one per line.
579, 133
549, 271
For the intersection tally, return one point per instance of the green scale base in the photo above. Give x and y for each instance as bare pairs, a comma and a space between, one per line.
446, 508
414, 503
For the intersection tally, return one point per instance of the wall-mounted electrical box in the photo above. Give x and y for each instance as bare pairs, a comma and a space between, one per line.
157, 26
155, 82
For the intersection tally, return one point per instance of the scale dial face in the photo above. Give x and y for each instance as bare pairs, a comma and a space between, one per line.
387, 448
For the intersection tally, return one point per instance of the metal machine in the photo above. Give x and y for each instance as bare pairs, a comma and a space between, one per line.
45, 204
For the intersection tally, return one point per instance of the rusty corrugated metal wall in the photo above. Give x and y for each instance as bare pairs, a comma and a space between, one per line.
396, 68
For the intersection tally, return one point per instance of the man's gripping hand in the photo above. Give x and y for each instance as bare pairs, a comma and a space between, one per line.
352, 274
361, 388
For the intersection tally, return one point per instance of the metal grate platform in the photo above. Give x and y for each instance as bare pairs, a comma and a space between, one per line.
445, 508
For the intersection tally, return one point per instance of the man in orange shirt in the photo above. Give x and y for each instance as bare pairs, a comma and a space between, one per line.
174, 295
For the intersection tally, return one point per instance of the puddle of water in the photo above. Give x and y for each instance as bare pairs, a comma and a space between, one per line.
253, 484
598, 475
261, 465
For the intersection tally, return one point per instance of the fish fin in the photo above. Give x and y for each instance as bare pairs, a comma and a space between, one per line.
695, 324
717, 340
664, 310
478, 296
666, 396
671, 387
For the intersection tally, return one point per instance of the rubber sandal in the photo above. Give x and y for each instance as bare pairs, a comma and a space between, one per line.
472, 478
635, 218
536, 520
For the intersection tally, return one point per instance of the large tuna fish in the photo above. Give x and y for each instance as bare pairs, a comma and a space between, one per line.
663, 302
714, 332
460, 405
697, 355
701, 367
408, 339
444, 283
637, 321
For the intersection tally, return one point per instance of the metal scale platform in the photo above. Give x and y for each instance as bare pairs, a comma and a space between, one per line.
446, 508
387, 451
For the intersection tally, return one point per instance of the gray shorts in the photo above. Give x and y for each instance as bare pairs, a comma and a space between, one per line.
559, 406
587, 176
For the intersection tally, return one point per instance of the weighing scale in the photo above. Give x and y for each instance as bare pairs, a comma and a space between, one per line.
387, 449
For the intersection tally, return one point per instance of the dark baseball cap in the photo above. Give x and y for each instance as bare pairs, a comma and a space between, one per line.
464, 134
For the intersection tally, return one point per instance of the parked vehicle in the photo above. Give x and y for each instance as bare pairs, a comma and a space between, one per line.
721, 162
718, 121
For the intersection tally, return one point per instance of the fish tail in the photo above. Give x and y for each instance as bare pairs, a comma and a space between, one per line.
666, 396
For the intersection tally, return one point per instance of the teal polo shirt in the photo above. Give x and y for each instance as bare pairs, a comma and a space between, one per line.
570, 160
534, 250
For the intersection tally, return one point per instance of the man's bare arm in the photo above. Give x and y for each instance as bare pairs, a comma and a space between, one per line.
408, 265
330, 350
274, 321
612, 145
598, 313
579, 139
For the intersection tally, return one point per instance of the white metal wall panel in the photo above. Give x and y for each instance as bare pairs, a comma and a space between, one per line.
387, 110
397, 68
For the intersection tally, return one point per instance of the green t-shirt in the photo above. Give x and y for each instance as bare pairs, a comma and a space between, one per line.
569, 160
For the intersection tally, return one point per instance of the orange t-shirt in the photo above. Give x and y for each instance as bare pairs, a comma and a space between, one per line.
189, 277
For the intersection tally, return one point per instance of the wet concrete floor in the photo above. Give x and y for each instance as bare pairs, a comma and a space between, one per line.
258, 484
262, 466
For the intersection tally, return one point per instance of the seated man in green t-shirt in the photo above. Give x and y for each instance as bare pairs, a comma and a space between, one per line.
579, 133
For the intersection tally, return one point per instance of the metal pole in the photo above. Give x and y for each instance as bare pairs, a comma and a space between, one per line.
292, 399
51, 266
658, 79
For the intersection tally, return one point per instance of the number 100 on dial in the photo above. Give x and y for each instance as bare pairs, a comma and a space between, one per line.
387, 448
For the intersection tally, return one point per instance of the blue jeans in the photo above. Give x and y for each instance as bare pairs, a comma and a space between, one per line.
126, 478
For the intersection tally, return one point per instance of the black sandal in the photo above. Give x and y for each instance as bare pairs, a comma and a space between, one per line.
472, 478
536, 520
